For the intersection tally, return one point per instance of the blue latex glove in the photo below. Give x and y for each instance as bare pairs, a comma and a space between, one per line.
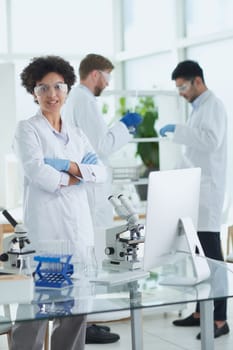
58, 164
131, 119
90, 158
167, 128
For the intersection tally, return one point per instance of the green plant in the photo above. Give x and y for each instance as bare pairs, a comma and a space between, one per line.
148, 151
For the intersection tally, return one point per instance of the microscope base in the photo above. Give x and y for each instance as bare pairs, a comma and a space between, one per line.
119, 265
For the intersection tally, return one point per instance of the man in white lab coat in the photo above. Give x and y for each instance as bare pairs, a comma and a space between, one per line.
205, 139
82, 111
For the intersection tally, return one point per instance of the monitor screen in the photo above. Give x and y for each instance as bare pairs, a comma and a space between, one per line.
172, 195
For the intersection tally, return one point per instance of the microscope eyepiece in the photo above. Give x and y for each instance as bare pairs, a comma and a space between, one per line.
9, 218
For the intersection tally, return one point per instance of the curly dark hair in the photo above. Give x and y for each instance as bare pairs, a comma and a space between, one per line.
41, 66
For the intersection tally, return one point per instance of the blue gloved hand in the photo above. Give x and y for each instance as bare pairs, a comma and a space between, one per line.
90, 158
167, 128
58, 164
131, 119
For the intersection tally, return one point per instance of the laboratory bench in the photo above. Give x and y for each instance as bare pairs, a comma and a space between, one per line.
86, 297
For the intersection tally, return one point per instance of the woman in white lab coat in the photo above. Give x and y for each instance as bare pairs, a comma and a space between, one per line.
58, 163
55, 207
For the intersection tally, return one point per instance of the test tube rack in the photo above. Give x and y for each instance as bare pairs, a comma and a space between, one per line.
53, 271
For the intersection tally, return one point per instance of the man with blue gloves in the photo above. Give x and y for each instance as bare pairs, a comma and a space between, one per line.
81, 110
205, 139
167, 128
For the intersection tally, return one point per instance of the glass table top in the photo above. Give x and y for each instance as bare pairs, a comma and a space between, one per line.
85, 297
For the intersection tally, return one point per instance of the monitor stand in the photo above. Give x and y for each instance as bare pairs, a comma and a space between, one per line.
199, 261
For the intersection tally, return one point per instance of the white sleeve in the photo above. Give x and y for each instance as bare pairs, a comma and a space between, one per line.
91, 172
206, 136
64, 180
86, 115
28, 148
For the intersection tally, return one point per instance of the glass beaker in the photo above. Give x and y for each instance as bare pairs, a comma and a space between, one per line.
25, 265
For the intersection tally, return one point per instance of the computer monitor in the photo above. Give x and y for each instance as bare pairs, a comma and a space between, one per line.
172, 203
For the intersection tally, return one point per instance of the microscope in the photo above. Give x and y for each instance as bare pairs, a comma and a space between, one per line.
122, 241
15, 247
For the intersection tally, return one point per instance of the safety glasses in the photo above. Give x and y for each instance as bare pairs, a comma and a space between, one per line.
106, 76
43, 89
185, 87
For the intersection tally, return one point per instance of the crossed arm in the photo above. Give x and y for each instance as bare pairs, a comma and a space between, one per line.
72, 168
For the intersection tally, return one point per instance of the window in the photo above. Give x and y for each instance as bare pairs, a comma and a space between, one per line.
149, 72
66, 27
3, 27
209, 16
148, 24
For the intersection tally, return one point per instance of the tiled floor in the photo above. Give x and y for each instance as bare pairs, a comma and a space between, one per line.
159, 333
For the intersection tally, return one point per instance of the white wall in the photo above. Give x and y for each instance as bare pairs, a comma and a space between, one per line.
7, 120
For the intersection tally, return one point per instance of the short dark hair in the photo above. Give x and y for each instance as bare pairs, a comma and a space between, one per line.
41, 66
92, 62
188, 70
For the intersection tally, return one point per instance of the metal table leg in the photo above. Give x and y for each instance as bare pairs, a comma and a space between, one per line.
136, 317
207, 322
136, 329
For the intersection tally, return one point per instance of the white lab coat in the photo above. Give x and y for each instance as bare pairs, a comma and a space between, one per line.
52, 212
205, 138
81, 110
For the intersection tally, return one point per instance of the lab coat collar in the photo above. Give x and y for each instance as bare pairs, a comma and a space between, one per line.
84, 87
63, 133
200, 99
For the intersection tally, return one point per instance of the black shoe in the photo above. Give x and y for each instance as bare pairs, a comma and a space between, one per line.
218, 331
97, 335
187, 322
106, 328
